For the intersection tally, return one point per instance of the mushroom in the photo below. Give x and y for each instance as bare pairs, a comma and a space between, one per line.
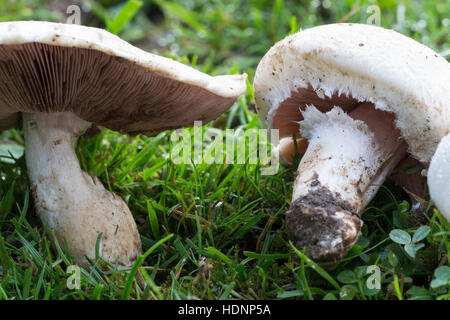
438, 177
364, 98
65, 78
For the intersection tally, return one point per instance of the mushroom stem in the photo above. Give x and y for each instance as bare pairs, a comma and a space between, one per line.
438, 177
76, 207
348, 158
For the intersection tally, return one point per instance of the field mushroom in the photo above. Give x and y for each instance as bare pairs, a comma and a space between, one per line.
63, 79
357, 99
439, 177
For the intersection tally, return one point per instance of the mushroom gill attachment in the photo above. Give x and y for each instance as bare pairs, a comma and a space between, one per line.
364, 98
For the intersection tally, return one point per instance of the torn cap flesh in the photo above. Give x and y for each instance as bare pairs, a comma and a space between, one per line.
326, 73
64, 78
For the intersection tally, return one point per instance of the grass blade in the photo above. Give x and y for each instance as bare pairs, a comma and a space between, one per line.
315, 267
127, 13
137, 264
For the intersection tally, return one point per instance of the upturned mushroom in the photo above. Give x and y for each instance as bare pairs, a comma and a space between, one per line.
63, 79
357, 99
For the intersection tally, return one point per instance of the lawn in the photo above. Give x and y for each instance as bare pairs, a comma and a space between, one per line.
228, 213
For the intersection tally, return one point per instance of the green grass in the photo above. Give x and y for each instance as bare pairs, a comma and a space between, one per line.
230, 214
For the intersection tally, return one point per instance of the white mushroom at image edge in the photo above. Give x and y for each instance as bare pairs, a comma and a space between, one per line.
358, 100
64, 78
439, 177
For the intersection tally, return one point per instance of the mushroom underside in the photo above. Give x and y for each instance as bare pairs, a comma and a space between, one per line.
351, 148
104, 89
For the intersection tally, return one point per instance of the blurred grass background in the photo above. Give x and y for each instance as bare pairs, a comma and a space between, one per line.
228, 213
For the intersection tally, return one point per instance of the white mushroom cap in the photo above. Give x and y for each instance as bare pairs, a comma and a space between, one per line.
112, 83
366, 63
